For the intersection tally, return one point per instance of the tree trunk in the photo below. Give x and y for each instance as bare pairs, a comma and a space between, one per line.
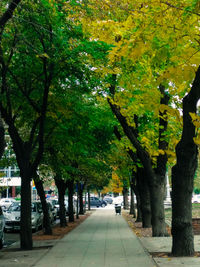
89, 207
157, 190
125, 197
26, 242
144, 194
158, 224
70, 200
183, 175
157, 185
139, 212
182, 187
8, 13
2, 138
61, 185
80, 192
132, 206
134, 186
46, 219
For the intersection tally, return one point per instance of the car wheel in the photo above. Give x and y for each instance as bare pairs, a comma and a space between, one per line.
103, 205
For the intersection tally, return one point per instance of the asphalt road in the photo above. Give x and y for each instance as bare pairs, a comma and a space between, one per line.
12, 237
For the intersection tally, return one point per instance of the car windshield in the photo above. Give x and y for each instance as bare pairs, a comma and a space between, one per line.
17, 207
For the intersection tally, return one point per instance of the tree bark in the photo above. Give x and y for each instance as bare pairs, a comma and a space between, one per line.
136, 191
139, 212
89, 207
80, 192
125, 197
2, 138
46, 220
26, 242
145, 203
183, 176
157, 187
70, 200
61, 185
157, 204
132, 204
9, 13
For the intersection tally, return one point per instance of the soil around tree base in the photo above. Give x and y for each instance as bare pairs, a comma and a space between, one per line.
147, 232
169, 255
58, 232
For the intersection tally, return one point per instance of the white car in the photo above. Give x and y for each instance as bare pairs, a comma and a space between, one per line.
196, 198
6, 202
12, 216
2, 225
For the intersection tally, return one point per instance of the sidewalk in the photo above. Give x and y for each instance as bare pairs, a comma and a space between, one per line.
102, 240
164, 244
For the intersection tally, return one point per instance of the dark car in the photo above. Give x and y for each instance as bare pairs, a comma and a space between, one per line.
96, 202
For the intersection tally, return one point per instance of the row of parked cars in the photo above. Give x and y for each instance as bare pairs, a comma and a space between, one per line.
10, 211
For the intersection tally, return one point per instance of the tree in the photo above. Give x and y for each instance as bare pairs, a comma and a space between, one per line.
183, 176
77, 139
5, 17
2, 138
46, 219
33, 60
8, 13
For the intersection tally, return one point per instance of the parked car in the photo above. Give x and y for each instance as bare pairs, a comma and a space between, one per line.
66, 206
12, 216
96, 202
55, 204
108, 199
2, 225
51, 212
54, 207
6, 202
196, 198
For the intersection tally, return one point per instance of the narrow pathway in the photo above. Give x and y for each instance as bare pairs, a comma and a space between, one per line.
103, 240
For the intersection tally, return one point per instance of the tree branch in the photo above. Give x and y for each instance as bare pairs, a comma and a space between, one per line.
9, 13
179, 8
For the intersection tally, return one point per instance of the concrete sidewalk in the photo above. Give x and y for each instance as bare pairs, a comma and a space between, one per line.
104, 239
164, 244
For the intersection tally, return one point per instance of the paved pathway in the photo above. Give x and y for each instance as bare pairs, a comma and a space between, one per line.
103, 240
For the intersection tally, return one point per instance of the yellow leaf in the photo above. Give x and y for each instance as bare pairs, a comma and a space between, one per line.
196, 140
162, 152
